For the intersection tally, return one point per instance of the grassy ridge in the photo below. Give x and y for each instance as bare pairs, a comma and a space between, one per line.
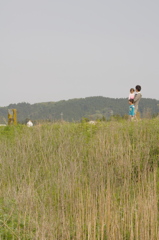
80, 181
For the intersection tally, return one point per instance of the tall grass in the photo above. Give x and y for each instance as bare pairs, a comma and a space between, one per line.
77, 181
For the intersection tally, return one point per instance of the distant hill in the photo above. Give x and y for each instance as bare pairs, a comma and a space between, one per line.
76, 109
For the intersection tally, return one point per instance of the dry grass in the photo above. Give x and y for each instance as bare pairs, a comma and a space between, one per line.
80, 181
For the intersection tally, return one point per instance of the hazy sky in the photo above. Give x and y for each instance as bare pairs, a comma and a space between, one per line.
58, 50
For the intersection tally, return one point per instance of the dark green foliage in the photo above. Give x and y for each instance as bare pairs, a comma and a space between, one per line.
92, 108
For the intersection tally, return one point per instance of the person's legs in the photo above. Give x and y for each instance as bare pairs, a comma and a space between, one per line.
136, 109
132, 118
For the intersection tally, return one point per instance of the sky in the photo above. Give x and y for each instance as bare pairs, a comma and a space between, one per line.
58, 50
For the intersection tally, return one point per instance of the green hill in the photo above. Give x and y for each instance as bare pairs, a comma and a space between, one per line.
76, 109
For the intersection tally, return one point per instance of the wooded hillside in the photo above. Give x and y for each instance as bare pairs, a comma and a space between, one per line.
76, 109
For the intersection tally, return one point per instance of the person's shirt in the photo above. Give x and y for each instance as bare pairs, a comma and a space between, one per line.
131, 96
137, 98
132, 110
29, 124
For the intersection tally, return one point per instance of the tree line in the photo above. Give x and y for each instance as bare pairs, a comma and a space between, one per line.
75, 109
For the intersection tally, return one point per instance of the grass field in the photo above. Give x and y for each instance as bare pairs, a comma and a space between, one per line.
76, 181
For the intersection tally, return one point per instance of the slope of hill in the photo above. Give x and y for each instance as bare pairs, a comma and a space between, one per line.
76, 109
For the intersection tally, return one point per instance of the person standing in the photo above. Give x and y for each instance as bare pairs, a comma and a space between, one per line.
137, 97
131, 109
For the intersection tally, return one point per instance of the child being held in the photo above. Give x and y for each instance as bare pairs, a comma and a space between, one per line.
131, 109
132, 93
